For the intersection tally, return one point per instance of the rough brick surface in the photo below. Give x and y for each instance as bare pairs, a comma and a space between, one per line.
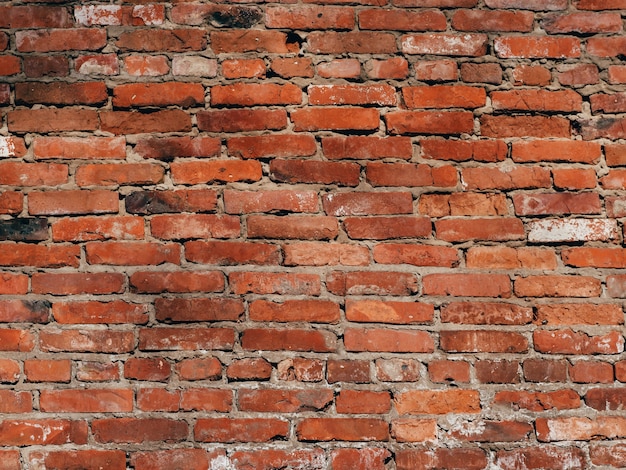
316, 235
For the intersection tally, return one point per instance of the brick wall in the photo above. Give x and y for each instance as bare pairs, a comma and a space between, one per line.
334, 234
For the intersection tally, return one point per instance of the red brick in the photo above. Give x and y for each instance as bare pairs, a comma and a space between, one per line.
77, 283
33, 174
557, 286
14, 402
567, 101
215, 171
531, 75
146, 66
155, 282
158, 94
158, 399
536, 5
98, 228
171, 147
492, 431
387, 69
231, 253
354, 203
467, 285
288, 339
52, 120
293, 227
600, 4
571, 230
88, 459
10, 65
486, 313
24, 311
58, 93
460, 458
284, 401
132, 253
323, 254
347, 370
218, 16
202, 399
578, 75
9, 373
574, 178
97, 372
417, 255
524, 126
191, 459
606, 127
249, 369
608, 103
144, 368
274, 283
97, 64
241, 120
617, 74
615, 206
315, 119
496, 229
591, 372
459, 204
243, 68
572, 342
444, 96
138, 430
529, 47
312, 311
458, 150
185, 339
342, 429
544, 457
367, 148
580, 428
612, 455
359, 459
119, 174
510, 258
381, 228
75, 148
26, 254
539, 401
481, 73
429, 122
12, 147
603, 399
56, 40
497, 372
397, 370
381, 95
11, 202
177, 226
154, 40
583, 23
301, 369
371, 283
263, 146
287, 67
316, 172
436, 70
86, 401
102, 15
449, 371
244, 202
615, 154
255, 94
312, 459
29, 432
380, 340
476, 20
437, 402
353, 42
227, 430
482, 341
94, 312
363, 402
542, 370
12, 283
100, 341
473, 45
556, 203
399, 20
132, 122
436, 3
208, 368
252, 41
595, 257
309, 17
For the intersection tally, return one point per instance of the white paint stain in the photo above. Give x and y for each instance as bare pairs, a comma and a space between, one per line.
7, 147
103, 15
571, 230
221, 463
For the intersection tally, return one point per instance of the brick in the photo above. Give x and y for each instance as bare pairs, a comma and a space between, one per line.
414, 430
241, 120
231, 68
562, 47
101, 15
57, 40
221, 171
567, 101
363, 402
132, 122
556, 203
315, 119
100, 341
252, 41
313, 459
367, 148
582, 23
492, 431
286, 67
387, 69
155, 282
185, 339
379, 340
470, 285
469, 44
591, 372
322, 254
312, 311
382, 228
398, 20
52, 120
293, 227
371, 283
86, 401
572, 342
602, 399
579, 428
218, 16
10, 65
342, 429
11, 202
180, 200
616, 286
359, 459
376, 311
284, 401
346, 370
45, 66
119, 174
97, 64
536, 5
436, 70
199, 369
88, 93
353, 42
202, 399
481, 73
301, 369
429, 122
482, 341
263, 146
475, 20
510, 258
244, 202
97, 372
397, 370
608, 103
168, 148
288, 339
458, 150
380, 95
146, 66
240, 430
98, 228
255, 94
158, 94
557, 286
486, 313
459, 204
249, 369
517, 177
617, 74
541, 370
600, 5
315, 172
138, 430
436, 3
437, 402
26, 254
615, 154
274, 283
460, 458
132, 253
113, 459
193, 459
444, 371
28, 432
524, 126
158, 399
15, 402
607, 127
27, 16
75, 148
594, 257
95, 312
26, 229
497, 372
12, 147
33, 174
444, 96
539, 401
194, 67
155, 40
612, 455
572, 230
574, 178
342, 204
578, 75
231, 253
552, 457
10, 373
531, 75
310, 17
12, 283
77, 283
497, 229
